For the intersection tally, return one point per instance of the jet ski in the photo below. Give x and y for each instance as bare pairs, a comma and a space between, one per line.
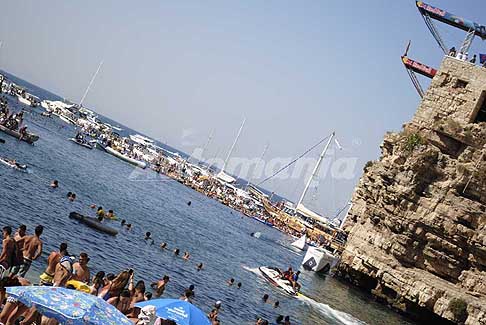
17, 166
274, 276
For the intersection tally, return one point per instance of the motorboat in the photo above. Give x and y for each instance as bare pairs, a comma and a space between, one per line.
319, 259
274, 276
29, 137
138, 163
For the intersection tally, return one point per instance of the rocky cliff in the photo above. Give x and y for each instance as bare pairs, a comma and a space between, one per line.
417, 226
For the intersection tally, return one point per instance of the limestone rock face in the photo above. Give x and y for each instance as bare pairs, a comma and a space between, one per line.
417, 226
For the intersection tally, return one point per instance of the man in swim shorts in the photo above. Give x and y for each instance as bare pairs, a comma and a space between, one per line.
47, 277
32, 250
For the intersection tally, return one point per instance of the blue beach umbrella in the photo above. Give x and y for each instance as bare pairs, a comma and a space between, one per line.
69, 307
182, 312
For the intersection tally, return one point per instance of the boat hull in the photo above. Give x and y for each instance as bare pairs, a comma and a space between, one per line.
93, 223
318, 259
29, 138
132, 161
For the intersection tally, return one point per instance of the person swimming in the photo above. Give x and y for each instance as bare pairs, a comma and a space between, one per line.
199, 267
148, 238
265, 298
189, 203
100, 212
186, 256
163, 245
238, 285
176, 251
54, 184
231, 282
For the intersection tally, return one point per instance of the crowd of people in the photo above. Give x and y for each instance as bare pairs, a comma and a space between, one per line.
11, 120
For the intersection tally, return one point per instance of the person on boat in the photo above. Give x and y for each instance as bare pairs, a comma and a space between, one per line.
32, 250
8, 250
160, 285
295, 284
287, 275
81, 269
23, 132
54, 184
47, 277
473, 60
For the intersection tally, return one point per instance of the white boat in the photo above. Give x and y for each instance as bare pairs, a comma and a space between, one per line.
132, 161
274, 276
319, 259
140, 139
24, 101
300, 243
65, 118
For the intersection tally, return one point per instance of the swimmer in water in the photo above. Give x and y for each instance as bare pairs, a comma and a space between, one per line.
231, 282
265, 298
186, 256
148, 238
123, 222
129, 226
54, 184
238, 285
189, 203
276, 304
199, 266
163, 245
176, 251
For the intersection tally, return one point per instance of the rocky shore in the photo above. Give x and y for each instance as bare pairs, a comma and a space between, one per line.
417, 227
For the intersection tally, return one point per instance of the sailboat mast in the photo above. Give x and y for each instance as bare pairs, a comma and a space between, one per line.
233, 146
207, 144
89, 85
314, 172
261, 158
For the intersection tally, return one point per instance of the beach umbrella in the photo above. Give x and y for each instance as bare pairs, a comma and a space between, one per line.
180, 311
68, 306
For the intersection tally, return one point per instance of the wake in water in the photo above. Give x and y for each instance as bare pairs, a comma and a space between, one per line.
329, 312
333, 314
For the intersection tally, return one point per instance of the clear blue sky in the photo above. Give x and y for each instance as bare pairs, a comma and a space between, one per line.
296, 69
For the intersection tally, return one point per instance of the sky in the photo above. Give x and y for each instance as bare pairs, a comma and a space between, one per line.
296, 70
